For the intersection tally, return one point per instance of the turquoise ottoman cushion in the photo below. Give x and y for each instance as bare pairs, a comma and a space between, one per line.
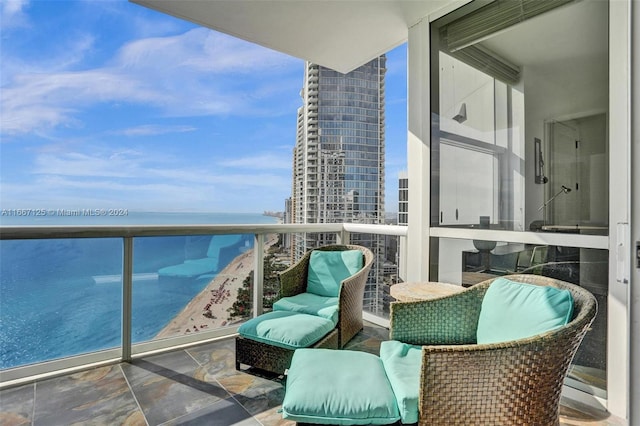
403, 362
309, 303
512, 310
326, 386
289, 330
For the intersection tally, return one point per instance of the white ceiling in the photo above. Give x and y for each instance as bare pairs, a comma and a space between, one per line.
338, 34
574, 31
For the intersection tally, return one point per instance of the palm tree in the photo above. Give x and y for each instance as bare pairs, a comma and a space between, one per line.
241, 308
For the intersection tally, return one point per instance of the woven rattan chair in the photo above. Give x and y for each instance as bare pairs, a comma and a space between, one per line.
293, 281
510, 383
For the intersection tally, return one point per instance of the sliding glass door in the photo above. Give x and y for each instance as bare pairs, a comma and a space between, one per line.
519, 152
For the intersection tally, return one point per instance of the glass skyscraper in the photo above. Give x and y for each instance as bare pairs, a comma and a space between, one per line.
338, 170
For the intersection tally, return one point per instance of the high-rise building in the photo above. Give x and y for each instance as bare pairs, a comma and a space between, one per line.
286, 218
338, 160
403, 199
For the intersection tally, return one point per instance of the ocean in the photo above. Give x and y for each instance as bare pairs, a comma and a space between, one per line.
63, 297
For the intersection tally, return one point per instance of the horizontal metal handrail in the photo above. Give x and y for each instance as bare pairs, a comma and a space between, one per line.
396, 230
123, 231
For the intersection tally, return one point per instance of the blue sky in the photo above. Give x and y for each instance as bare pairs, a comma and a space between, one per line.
106, 104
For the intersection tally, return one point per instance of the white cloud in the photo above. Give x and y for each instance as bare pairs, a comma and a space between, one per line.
13, 13
197, 73
262, 161
10, 8
60, 58
83, 165
55, 97
38, 101
141, 180
153, 130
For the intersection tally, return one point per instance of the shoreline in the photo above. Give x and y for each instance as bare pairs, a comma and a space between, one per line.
208, 309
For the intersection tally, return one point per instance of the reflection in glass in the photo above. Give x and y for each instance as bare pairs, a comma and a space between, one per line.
194, 283
519, 118
384, 273
579, 157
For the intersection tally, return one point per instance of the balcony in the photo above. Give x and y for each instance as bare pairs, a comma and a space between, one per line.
197, 385
182, 377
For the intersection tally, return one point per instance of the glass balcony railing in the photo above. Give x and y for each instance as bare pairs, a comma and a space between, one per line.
74, 296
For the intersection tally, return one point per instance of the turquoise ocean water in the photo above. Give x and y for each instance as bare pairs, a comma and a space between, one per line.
63, 297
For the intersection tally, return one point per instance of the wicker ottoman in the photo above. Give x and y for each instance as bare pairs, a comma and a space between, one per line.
338, 387
268, 341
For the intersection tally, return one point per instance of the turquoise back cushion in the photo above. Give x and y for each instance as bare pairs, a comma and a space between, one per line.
512, 310
327, 269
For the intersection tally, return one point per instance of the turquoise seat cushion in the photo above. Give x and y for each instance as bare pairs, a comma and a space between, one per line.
512, 310
312, 304
402, 362
327, 386
289, 330
327, 270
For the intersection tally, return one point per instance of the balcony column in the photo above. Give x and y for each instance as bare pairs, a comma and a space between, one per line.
418, 153
634, 285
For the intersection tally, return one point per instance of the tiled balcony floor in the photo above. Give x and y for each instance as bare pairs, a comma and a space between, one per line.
188, 387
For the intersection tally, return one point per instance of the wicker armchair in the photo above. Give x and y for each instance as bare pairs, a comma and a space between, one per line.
293, 281
463, 383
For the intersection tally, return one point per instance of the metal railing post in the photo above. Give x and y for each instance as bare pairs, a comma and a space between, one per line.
402, 257
258, 273
343, 237
127, 296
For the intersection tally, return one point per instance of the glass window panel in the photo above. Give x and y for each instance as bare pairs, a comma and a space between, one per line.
468, 262
59, 298
557, 94
187, 284
384, 272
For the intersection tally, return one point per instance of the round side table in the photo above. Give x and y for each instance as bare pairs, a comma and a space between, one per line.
409, 292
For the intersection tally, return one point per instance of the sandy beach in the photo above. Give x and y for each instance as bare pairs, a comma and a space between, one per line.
208, 310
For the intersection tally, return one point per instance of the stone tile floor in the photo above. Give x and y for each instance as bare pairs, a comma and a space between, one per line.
196, 386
